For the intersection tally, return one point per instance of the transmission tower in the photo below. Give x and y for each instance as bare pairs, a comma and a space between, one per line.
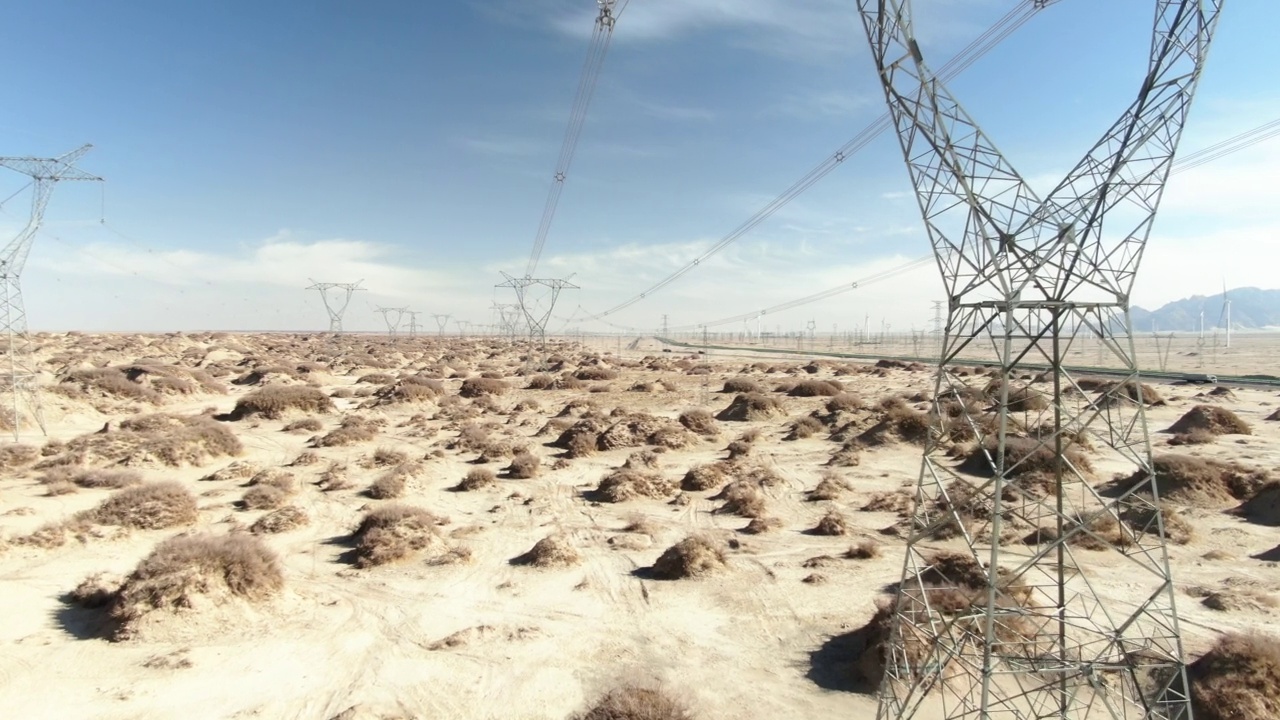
19, 370
1045, 632
413, 321
392, 325
537, 311
442, 321
336, 305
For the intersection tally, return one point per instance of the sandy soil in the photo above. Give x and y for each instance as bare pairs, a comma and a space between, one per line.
484, 638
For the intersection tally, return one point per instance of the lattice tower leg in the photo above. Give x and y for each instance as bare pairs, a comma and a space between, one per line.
1031, 589
19, 368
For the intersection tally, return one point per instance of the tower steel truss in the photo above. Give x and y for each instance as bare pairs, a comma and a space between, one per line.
1032, 592
336, 305
19, 369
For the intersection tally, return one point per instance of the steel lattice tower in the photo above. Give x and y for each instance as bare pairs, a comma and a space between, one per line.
337, 307
19, 370
1042, 631
392, 326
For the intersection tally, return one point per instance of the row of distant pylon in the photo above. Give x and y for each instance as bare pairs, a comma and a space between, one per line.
507, 317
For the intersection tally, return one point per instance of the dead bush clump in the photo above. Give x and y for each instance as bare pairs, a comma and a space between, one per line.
183, 569
1210, 419
863, 550
289, 517
334, 478
749, 407
743, 498
481, 387
352, 431
596, 372
816, 388
636, 703
741, 385
624, 484
1023, 456
898, 423
699, 421
833, 523
147, 507
761, 525
1239, 679
551, 551
844, 402
803, 428
102, 478
164, 439
637, 429
308, 424
264, 497
705, 477
694, 556
274, 401
830, 487
396, 532
847, 455
476, 479
1111, 392
392, 483
1199, 482
523, 466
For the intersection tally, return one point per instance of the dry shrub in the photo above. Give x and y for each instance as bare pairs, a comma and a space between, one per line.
804, 427
396, 532
551, 551
596, 372
96, 591
390, 484
898, 501
1177, 529
898, 423
751, 406
1111, 392
761, 525
694, 556
289, 517
264, 497
182, 569
581, 438
1239, 679
1022, 457
637, 429
102, 478
17, 456
863, 550
147, 507
699, 421
1263, 506
352, 431
1199, 436
705, 477
306, 457
743, 498
523, 466
625, 484
830, 487
476, 479
1210, 419
334, 478
636, 703
274, 401
385, 456
1021, 398
308, 424
482, 386
376, 379
742, 385
844, 402
1200, 482
171, 440
833, 523
816, 388
847, 455
541, 381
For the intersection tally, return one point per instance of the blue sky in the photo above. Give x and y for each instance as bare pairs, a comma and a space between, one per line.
250, 146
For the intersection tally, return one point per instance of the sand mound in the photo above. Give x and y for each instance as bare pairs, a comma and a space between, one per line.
1211, 419
1023, 456
1239, 679
476, 479
172, 440
816, 388
147, 507
833, 523
142, 381
694, 556
1263, 507
1110, 393
898, 424
706, 477
551, 551
699, 421
636, 703
1194, 481
191, 570
482, 386
397, 532
639, 429
751, 406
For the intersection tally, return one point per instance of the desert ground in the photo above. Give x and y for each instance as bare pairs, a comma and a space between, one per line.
310, 526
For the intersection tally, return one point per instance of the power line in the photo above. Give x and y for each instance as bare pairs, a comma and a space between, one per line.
980, 46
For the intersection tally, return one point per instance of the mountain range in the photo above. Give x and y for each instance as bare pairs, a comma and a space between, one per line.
1251, 308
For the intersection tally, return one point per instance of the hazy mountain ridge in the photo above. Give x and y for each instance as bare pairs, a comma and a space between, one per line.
1251, 308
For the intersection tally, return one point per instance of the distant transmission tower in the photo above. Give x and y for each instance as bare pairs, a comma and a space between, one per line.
336, 304
386, 313
537, 311
1019, 621
19, 370
413, 321
442, 321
